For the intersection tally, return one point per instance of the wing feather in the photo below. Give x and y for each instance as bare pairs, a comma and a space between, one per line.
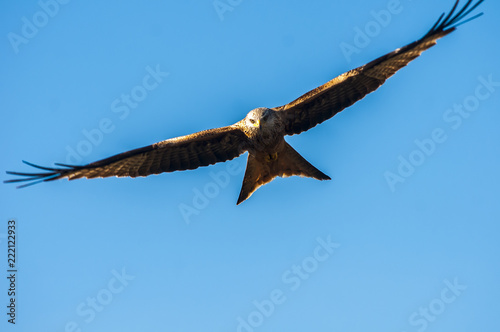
181, 153
332, 97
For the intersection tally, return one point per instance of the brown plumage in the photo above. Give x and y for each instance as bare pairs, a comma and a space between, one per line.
262, 131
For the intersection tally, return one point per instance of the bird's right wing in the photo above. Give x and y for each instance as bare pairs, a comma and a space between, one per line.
181, 153
332, 97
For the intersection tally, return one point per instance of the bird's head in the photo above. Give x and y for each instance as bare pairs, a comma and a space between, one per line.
260, 119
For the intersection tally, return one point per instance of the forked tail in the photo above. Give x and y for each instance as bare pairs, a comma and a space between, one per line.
263, 168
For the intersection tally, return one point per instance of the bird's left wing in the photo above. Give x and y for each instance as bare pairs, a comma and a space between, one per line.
332, 97
186, 152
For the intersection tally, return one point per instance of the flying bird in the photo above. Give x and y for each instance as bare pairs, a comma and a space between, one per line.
261, 133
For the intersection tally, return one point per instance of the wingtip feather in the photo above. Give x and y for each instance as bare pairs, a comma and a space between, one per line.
453, 20
34, 178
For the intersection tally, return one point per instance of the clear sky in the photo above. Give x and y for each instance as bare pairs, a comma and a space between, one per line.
404, 238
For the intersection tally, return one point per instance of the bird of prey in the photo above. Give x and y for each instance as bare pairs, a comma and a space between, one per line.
261, 133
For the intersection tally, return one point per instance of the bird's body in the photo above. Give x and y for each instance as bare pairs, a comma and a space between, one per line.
269, 155
261, 133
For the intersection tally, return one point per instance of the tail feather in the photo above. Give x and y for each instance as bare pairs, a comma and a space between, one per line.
261, 170
292, 163
254, 178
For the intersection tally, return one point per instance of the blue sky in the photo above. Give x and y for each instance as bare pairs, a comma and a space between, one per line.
404, 237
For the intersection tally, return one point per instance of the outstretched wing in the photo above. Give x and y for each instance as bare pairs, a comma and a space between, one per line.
186, 152
327, 100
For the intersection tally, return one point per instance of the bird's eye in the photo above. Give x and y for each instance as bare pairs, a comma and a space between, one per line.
252, 121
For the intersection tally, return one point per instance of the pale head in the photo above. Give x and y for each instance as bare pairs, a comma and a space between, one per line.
264, 127
260, 119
